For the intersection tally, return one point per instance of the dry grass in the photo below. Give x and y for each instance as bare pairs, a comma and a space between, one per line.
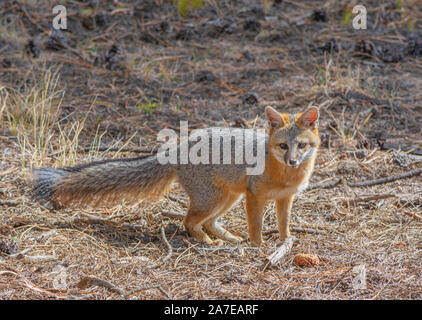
55, 107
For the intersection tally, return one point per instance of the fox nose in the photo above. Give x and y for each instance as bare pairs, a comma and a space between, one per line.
293, 163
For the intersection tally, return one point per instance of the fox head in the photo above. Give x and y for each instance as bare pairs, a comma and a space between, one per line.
293, 137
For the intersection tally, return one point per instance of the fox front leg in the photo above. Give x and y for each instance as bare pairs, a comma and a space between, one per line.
283, 207
254, 213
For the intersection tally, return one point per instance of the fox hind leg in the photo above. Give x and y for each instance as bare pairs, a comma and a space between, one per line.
193, 224
213, 227
209, 199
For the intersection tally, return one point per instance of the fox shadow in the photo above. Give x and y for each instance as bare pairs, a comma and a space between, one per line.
126, 236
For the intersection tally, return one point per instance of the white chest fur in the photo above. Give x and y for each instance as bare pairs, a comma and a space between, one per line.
282, 193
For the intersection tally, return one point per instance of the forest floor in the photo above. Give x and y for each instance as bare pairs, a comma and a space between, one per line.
124, 70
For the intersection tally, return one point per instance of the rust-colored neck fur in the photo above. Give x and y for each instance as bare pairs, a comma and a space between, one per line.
285, 176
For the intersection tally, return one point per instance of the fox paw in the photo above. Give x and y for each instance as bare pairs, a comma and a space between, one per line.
258, 243
236, 239
284, 236
217, 243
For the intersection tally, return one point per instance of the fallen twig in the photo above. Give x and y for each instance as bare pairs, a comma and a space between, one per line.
370, 198
177, 199
296, 229
9, 203
387, 179
170, 250
164, 292
281, 251
324, 185
173, 214
38, 258
35, 24
151, 151
223, 248
367, 183
107, 222
8, 171
21, 254
138, 289
47, 235
135, 150
94, 281
89, 220
413, 215
22, 281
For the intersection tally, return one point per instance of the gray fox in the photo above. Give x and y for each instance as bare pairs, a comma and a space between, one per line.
290, 150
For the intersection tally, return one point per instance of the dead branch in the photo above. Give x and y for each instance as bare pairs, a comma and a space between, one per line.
222, 248
35, 288
138, 289
35, 24
164, 292
370, 198
176, 199
38, 258
409, 203
24, 282
9, 203
21, 254
89, 220
46, 235
387, 179
153, 150
413, 215
281, 251
170, 250
296, 229
324, 185
107, 222
173, 214
94, 281
5, 172
367, 183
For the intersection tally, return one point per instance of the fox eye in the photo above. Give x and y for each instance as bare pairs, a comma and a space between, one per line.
284, 146
301, 145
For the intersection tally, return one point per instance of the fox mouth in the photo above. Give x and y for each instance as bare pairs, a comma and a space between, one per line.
294, 166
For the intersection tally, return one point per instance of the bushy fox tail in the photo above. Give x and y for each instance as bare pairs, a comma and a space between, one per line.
102, 182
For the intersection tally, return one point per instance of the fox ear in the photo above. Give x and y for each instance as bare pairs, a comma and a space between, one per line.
274, 118
309, 118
